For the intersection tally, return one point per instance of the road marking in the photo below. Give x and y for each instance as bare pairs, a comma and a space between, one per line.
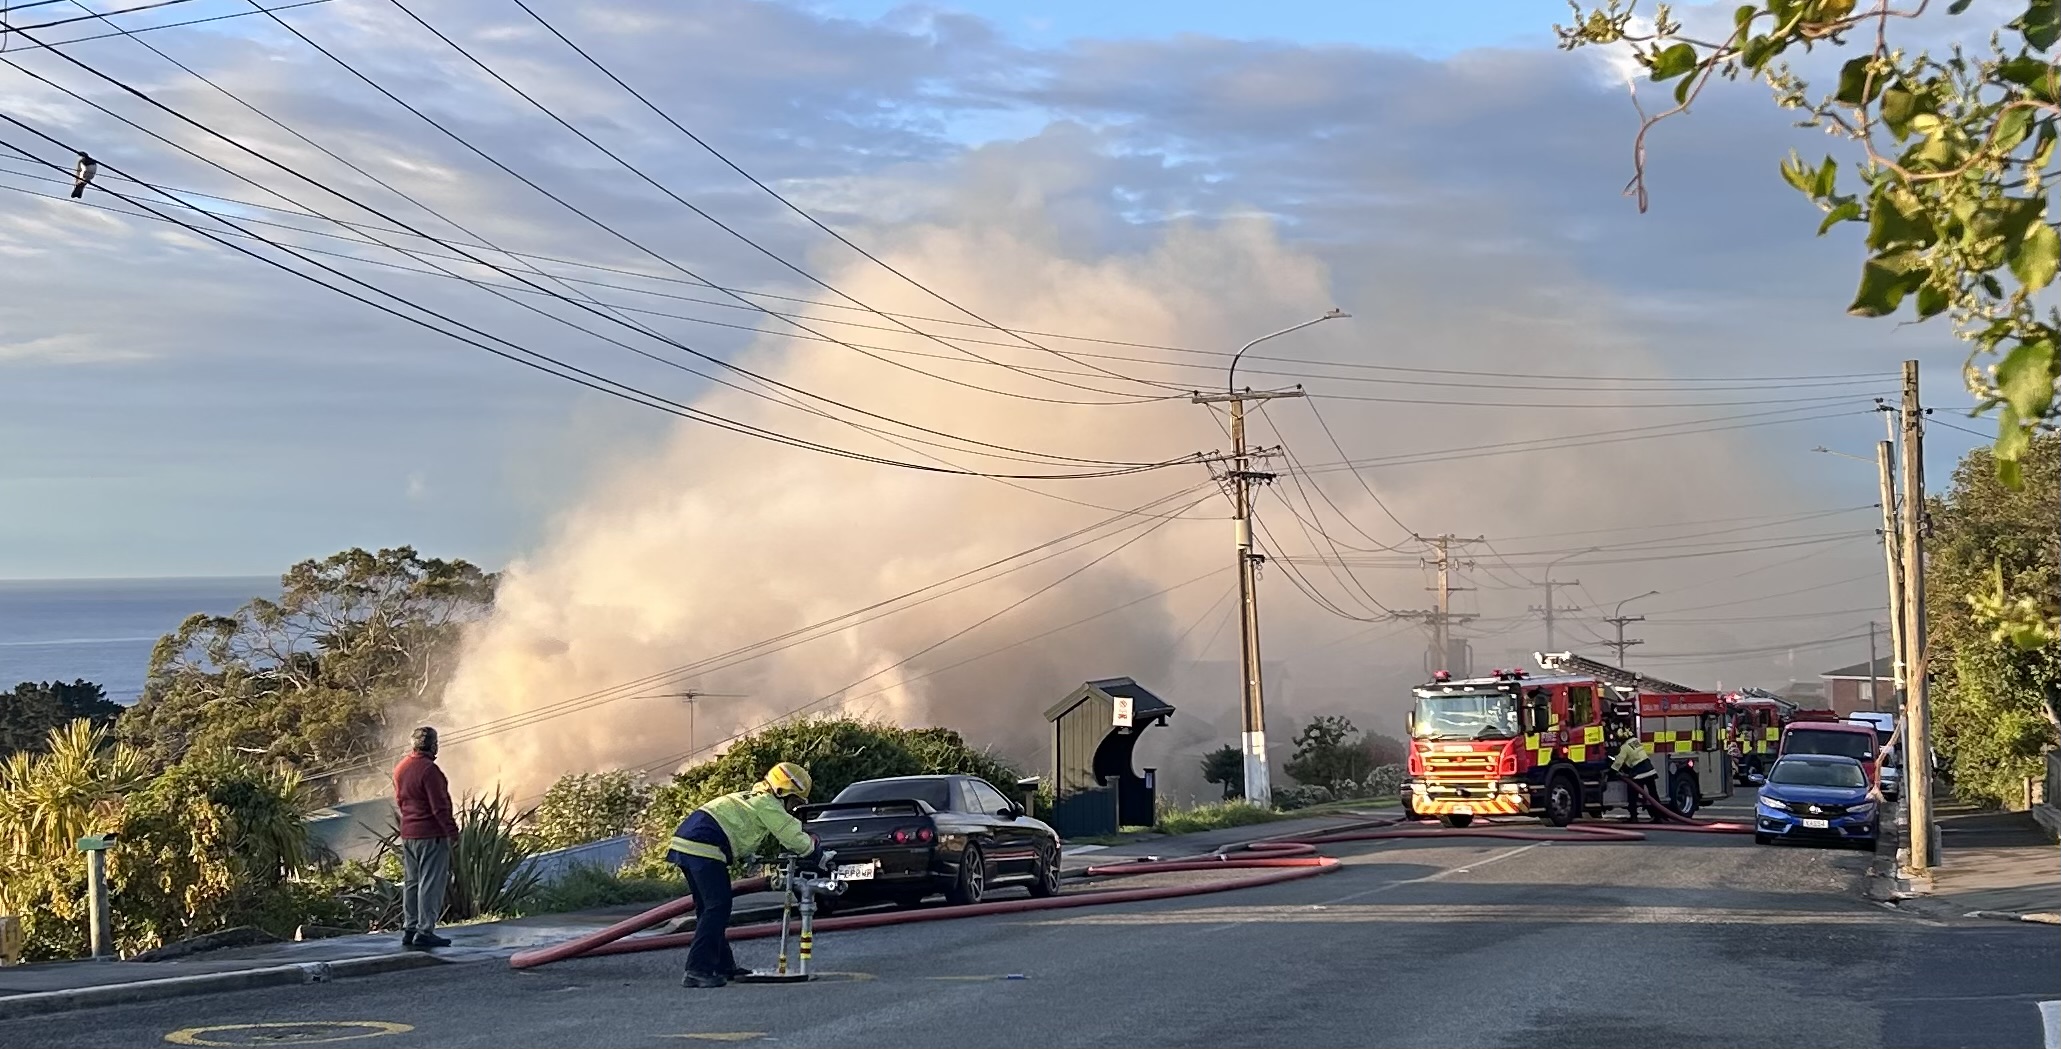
1435, 875
722, 1036
2050, 1018
1438, 913
1075, 850
303, 1032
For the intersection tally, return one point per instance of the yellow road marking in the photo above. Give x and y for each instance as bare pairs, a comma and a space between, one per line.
285, 1032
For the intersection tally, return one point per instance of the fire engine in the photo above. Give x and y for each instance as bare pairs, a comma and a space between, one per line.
1516, 744
1755, 719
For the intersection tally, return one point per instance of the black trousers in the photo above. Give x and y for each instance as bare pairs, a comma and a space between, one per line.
710, 952
1632, 800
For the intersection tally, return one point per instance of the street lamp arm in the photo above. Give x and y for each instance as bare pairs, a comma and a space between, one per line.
1231, 383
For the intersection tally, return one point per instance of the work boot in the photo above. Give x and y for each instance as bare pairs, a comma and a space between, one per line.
736, 971
695, 979
427, 940
407, 938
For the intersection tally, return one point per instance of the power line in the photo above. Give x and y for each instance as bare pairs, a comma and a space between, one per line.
769, 190
517, 276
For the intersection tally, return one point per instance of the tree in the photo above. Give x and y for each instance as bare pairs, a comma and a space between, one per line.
1997, 705
50, 797
311, 677
1952, 157
28, 713
584, 807
1225, 765
1328, 754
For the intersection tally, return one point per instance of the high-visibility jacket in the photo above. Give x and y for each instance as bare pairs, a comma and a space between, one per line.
745, 818
1633, 759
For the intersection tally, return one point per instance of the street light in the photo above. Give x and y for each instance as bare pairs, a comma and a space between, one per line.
1231, 382
1252, 707
1551, 609
1629, 600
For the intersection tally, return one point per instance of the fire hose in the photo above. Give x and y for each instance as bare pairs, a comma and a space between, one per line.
1276, 860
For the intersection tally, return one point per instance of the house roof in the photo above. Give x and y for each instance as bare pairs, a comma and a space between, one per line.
1885, 668
1143, 702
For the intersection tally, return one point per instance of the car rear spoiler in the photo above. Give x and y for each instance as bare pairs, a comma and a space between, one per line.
887, 807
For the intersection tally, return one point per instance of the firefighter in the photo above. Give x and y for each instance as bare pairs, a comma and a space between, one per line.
707, 843
1635, 767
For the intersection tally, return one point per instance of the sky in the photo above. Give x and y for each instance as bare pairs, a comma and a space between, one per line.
1190, 174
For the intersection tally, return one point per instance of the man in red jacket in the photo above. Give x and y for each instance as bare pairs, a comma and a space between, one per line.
428, 833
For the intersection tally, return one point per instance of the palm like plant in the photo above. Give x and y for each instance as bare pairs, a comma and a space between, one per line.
490, 868
49, 800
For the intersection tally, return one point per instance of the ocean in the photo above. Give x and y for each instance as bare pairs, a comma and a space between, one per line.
103, 629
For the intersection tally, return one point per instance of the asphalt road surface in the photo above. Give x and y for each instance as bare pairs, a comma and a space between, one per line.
1677, 941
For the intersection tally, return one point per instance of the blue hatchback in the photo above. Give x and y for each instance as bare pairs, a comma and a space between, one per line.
1817, 797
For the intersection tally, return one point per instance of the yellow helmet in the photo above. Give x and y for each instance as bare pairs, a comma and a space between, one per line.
789, 780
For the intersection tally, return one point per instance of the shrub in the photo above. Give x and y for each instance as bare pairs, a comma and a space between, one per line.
585, 807
1301, 796
1385, 782
490, 873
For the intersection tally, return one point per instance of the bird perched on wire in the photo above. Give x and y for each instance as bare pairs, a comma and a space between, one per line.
83, 174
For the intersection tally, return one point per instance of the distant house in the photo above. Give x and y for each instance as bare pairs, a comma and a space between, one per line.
1846, 689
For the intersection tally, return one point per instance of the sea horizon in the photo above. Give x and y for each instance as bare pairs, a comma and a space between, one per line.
102, 629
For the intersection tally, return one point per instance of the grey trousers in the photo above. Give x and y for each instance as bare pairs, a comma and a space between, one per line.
425, 872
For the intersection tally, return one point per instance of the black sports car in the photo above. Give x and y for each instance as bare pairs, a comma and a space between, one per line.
900, 840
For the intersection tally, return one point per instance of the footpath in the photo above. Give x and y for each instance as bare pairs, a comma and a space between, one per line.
1994, 865
47, 987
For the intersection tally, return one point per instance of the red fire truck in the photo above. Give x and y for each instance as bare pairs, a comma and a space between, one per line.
1506, 745
1755, 720
1513, 744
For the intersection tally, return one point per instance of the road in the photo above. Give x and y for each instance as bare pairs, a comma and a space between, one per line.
1677, 941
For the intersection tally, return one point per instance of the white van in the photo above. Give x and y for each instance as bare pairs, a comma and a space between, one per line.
1892, 759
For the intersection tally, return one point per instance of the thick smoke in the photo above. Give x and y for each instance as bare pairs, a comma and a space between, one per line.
713, 541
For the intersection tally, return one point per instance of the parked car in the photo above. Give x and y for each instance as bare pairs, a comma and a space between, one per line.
903, 839
1818, 797
1843, 738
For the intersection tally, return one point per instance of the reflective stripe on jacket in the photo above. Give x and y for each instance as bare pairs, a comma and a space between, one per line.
1632, 758
745, 818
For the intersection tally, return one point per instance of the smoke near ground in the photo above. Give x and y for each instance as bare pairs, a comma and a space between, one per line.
711, 542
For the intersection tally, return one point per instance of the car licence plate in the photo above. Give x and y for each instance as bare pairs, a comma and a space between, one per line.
864, 871
1816, 824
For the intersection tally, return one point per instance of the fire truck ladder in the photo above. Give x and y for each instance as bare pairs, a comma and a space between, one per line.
1617, 676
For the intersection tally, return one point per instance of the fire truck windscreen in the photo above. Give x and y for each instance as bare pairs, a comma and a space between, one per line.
1487, 715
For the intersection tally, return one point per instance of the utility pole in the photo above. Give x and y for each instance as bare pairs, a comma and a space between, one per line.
1252, 708
1893, 569
1443, 618
1874, 707
1549, 610
1618, 619
1924, 847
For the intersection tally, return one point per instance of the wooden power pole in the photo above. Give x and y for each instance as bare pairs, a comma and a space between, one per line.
1924, 846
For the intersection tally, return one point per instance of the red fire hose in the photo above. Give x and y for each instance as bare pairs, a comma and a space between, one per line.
1279, 860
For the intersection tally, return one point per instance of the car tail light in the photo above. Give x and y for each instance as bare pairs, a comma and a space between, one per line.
907, 835
923, 834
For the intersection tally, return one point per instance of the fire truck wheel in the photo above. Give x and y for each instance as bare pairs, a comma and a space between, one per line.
1563, 800
1684, 799
1457, 820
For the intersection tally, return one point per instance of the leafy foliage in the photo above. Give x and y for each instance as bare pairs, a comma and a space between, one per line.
1225, 765
50, 797
309, 678
1997, 705
28, 713
585, 886
837, 751
1301, 796
213, 842
585, 807
490, 869
1330, 752
1953, 157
